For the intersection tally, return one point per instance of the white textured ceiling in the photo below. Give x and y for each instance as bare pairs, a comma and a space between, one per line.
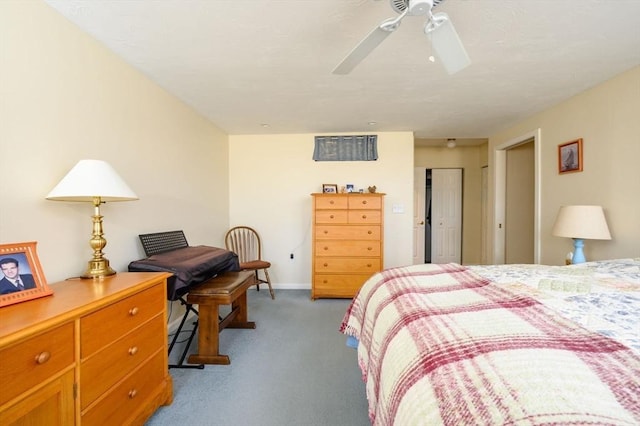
245, 63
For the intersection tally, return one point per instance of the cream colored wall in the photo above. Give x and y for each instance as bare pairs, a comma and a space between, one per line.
271, 178
606, 117
470, 159
64, 97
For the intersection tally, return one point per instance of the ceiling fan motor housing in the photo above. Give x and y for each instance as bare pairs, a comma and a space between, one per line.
416, 7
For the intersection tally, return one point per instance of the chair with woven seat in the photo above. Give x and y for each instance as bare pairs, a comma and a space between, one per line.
245, 242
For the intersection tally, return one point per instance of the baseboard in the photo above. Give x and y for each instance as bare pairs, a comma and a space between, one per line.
173, 325
291, 286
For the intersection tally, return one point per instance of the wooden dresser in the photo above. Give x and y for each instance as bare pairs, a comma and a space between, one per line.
347, 246
93, 353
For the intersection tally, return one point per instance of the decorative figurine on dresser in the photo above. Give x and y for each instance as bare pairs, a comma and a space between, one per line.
347, 247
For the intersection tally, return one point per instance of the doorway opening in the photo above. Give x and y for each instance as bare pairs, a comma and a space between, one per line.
438, 216
501, 196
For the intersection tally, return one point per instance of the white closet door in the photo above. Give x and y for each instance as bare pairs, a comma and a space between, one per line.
446, 210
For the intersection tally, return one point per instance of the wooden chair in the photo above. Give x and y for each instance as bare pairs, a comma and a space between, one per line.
245, 242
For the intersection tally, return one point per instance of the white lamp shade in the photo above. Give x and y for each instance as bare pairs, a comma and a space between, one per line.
583, 222
89, 179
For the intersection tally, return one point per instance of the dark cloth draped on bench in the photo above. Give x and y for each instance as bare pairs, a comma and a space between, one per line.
190, 266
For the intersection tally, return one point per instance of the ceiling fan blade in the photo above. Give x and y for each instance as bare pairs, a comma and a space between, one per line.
446, 43
362, 50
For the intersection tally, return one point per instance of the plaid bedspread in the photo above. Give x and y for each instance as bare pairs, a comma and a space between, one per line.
438, 344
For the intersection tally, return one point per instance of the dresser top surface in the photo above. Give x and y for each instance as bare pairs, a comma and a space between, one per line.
70, 299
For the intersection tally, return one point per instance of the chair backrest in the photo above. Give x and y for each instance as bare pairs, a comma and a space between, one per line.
245, 242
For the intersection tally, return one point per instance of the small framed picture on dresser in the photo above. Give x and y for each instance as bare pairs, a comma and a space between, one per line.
330, 188
21, 276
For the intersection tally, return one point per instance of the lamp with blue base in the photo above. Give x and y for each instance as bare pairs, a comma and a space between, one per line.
580, 223
578, 253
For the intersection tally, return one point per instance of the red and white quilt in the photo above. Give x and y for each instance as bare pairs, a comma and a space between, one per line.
439, 344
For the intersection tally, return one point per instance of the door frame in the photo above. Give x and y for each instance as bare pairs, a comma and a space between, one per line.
500, 190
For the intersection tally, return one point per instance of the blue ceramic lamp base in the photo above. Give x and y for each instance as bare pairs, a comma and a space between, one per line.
578, 254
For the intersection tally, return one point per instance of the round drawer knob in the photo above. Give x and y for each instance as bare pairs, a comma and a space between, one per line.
364, 202
369, 248
369, 232
133, 350
325, 265
133, 393
326, 248
133, 311
331, 217
331, 202
326, 232
325, 281
368, 265
43, 357
364, 216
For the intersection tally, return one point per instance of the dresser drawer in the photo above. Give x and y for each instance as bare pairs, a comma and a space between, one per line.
34, 360
337, 232
332, 202
339, 285
347, 265
332, 216
365, 216
100, 328
347, 248
108, 366
365, 202
126, 398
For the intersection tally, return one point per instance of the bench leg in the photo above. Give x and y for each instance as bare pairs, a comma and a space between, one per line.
210, 327
208, 338
240, 320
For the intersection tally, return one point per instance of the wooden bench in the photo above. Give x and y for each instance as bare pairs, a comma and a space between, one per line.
228, 288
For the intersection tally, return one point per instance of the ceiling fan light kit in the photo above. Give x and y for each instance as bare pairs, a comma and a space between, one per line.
439, 30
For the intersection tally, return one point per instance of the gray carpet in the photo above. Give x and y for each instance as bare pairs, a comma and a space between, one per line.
293, 369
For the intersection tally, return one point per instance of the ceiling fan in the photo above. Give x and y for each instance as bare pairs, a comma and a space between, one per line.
438, 29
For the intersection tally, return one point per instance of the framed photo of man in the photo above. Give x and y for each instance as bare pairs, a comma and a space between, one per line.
21, 276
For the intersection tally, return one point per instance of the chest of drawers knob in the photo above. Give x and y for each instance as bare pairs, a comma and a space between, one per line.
43, 357
133, 350
134, 311
133, 393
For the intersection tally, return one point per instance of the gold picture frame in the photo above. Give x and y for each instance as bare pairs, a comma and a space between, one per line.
330, 188
570, 157
20, 261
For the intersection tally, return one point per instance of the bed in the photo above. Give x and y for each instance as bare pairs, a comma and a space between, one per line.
493, 345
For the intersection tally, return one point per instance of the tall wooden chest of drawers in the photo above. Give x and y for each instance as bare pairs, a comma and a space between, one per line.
347, 248
93, 353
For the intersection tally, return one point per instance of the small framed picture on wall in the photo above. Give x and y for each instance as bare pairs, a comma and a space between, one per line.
570, 157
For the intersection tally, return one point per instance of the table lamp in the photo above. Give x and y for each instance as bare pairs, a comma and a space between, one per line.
93, 181
580, 223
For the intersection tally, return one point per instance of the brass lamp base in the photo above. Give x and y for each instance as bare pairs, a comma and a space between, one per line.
99, 265
98, 268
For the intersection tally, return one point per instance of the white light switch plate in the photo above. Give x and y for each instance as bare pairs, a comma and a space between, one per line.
397, 208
